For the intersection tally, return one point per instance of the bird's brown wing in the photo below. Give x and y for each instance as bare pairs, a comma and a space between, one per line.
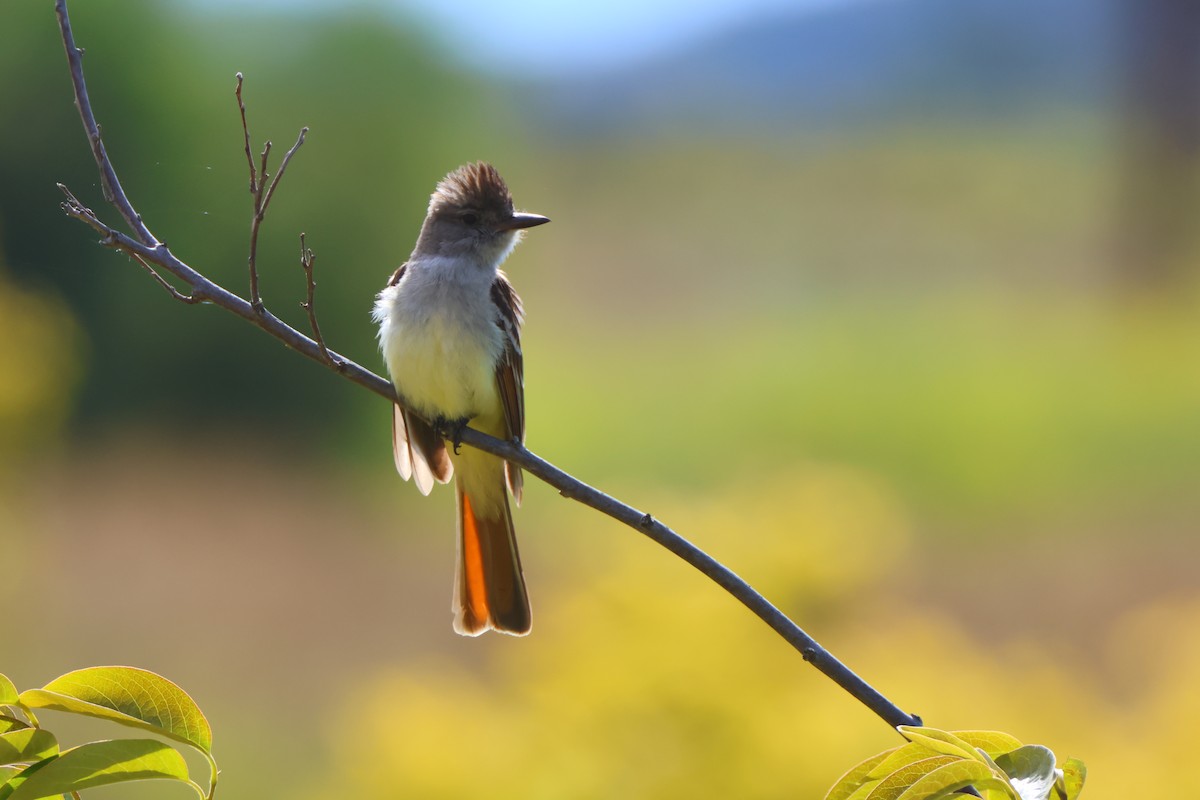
510, 373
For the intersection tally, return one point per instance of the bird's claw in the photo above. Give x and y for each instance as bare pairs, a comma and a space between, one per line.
452, 430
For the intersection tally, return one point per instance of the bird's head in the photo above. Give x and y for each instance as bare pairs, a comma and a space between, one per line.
471, 215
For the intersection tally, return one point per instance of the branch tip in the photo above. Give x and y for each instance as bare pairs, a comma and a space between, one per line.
237, 92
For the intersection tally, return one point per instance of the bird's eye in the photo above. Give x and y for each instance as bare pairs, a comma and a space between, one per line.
469, 218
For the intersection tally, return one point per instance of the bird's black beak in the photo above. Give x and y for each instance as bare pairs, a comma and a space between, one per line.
520, 219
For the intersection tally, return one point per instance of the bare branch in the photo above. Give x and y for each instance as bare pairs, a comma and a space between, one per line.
113, 192
147, 250
260, 191
255, 224
258, 179
111, 238
262, 174
307, 261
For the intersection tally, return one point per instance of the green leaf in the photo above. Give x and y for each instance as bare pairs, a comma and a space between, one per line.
130, 696
27, 744
991, 742
940, 741
8, 723
1070, 781
8, 692
1030, 769
855, 777
950, 778
7, 772
895, 784
102, 763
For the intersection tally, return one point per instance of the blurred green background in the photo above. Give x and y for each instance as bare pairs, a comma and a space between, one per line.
890, 306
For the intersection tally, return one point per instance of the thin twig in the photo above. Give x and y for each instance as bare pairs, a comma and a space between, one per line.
282, 166
79, 211
261, 191
187, 299
262, 171
256, 223
568, 486
74, 208
246, 134
308, 260
258, 183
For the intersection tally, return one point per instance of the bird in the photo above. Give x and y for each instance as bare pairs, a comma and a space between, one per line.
450, 333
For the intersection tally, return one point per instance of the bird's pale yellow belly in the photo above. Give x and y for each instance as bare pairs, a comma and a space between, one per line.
443, 368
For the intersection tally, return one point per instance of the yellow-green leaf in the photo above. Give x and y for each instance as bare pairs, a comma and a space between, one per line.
7, 772
105, 762
862, 792
12, 782
8, 692
130, 696
951, 777
895, 784
994, 790
991, 742
8, 723
26, 744
941, 742
855, 776
1071, 781
901, 756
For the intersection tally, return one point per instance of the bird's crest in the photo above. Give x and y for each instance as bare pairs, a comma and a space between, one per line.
476, 185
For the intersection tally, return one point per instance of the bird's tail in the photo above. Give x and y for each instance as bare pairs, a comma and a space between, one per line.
489, 590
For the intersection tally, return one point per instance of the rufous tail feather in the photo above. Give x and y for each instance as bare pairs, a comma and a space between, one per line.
489, 590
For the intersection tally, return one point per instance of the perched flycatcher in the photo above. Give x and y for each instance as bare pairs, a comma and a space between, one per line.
450, 330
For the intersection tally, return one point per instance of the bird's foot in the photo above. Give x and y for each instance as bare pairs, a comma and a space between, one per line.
451, 429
